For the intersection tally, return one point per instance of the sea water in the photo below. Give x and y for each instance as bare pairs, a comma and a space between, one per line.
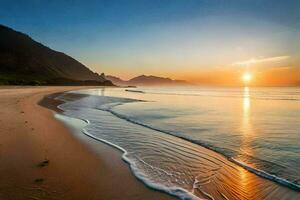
162, 132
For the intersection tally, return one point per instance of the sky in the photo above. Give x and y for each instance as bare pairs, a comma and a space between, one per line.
201, 41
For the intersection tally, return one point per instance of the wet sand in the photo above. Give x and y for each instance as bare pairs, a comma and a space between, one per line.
41, 159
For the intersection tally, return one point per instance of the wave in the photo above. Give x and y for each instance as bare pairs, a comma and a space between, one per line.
267, 175
258, 172
174, 191
106, 105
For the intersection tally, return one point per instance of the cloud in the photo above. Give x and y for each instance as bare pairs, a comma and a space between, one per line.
262, 60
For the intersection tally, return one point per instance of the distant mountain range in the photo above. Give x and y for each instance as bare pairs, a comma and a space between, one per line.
144, 80
24, 61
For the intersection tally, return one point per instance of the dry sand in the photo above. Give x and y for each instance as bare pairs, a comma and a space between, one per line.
29, 135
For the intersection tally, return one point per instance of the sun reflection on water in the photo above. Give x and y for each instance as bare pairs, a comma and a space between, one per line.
246, 102
246, 124
246, 127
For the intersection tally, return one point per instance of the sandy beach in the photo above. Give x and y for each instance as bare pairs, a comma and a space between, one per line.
41, 159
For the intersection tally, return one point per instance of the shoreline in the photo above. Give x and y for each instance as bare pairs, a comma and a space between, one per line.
242, 174
41, 159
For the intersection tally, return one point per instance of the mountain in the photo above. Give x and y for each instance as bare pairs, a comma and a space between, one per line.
144, 80
24, 61
116, 80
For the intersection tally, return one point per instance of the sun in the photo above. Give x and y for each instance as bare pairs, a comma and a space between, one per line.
247, 77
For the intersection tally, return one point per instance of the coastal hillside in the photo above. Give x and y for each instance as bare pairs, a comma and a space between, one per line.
24, 61
117, 80
144, 80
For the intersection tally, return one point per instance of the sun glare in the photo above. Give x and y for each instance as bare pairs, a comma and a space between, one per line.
247, 77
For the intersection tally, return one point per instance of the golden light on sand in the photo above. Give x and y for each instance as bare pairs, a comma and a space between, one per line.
247, 77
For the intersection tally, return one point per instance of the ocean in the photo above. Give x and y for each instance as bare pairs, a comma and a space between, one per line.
200, 142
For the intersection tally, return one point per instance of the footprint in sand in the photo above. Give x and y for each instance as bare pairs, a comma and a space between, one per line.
44, 163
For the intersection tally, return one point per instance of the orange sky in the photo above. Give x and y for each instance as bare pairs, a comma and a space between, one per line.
267, 71
269, 77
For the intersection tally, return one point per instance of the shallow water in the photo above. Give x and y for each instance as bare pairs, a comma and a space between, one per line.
257, 128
